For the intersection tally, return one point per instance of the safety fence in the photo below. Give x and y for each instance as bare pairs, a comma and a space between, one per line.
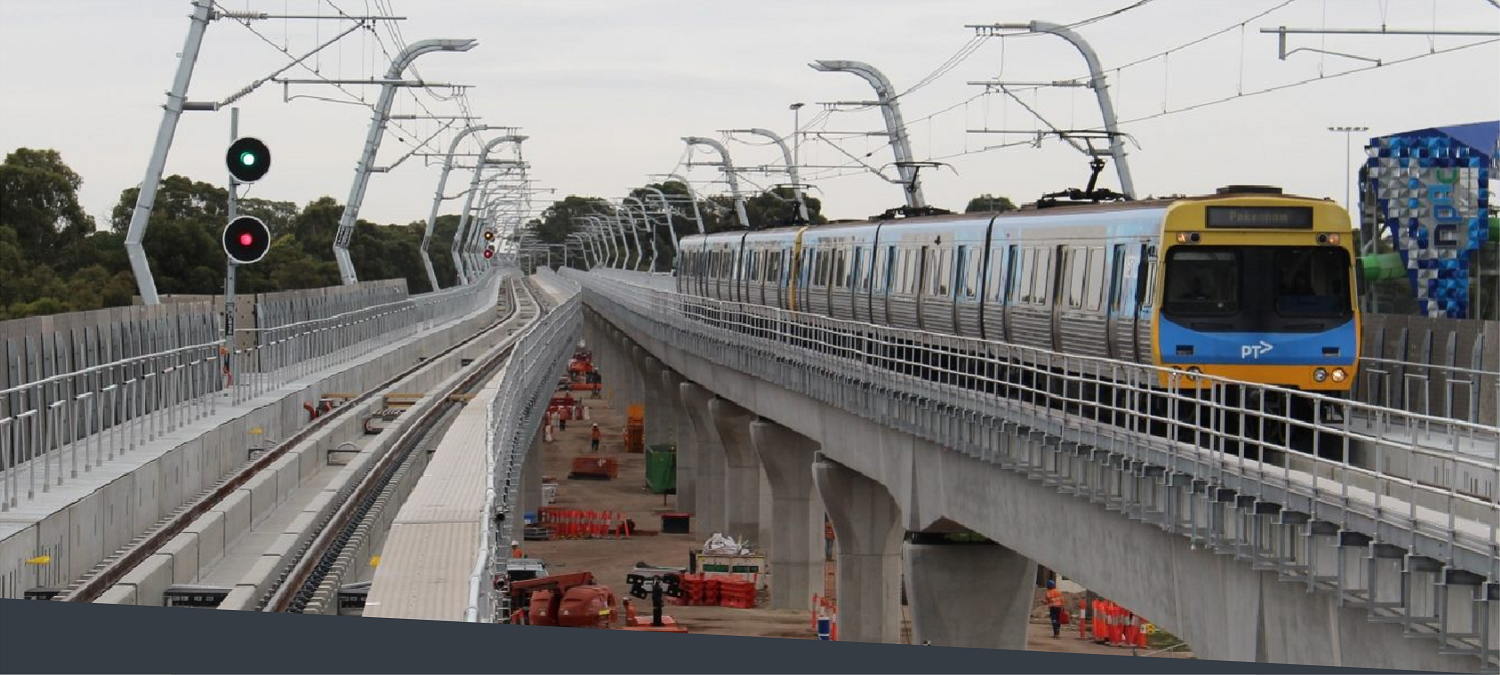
1423, 483
54, 428
1445, 367
515, 415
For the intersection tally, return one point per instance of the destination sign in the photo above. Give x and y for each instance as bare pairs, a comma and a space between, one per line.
1261, 217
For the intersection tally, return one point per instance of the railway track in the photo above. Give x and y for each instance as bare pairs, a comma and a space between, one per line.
522, 306
312, 568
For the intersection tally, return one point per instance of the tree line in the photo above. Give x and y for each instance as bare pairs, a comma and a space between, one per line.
55, 258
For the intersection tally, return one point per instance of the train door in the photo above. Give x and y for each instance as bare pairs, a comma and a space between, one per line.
885, 271
1008, 293
1145, 286
1116, 326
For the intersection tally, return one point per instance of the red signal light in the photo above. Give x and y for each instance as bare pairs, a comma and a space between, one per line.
246, 240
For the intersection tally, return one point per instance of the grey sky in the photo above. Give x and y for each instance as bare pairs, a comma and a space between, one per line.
605, 90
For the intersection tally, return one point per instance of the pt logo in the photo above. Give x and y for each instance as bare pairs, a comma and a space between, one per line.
1255, 351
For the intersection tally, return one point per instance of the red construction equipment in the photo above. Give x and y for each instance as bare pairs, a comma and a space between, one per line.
581, 373
568, 600
594, 467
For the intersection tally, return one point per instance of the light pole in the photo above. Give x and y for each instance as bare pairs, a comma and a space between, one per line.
796, 135
1348, 169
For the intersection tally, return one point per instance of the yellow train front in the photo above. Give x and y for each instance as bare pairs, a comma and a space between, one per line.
1259, 287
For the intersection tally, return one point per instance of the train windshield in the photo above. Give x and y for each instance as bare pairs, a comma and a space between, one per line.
1202, 282
1257, 288
1312, 281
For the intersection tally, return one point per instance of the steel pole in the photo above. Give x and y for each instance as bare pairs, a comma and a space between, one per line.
378, 118
437, 199
145, 200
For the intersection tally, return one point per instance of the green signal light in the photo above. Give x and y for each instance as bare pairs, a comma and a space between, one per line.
247, 158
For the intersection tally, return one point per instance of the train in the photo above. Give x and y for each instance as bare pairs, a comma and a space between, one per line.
1248, 284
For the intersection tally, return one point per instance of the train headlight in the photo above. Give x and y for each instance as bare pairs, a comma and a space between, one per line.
1339, 375
1193, 373
1320, 374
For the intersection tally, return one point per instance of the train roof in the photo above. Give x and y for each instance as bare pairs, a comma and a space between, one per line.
1031, 210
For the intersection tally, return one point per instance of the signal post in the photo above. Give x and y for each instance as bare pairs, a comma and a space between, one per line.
245, 239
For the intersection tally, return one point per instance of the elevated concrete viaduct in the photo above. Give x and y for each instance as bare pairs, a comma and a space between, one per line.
884, 488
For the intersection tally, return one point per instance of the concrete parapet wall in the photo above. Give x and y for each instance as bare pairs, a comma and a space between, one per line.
97, 524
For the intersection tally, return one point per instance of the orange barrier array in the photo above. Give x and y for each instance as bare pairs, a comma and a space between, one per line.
579, 524
717, 590
1116, 626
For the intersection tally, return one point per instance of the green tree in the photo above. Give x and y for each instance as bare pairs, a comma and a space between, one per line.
182, 236
988, 203
39, 202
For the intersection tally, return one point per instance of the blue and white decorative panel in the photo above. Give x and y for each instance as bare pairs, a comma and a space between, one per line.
1431, 194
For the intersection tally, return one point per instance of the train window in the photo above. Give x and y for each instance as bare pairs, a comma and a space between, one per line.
1117, 277
963, 277
940, 273
841, 274
961, 272
856, 274
889, 268
994, 276
1012, 263
1149, 284
1025, 274
1094, 294
1077, 267
1202, 281
909, 272
1043, 281
974, 275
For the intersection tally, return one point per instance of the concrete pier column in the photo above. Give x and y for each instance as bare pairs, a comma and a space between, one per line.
660, 420
531, 483
638, 375
710, 501
867, 530
796, 544
965, 594
687, 444
742, 470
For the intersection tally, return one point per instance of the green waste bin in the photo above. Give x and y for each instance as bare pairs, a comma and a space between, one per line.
661, 469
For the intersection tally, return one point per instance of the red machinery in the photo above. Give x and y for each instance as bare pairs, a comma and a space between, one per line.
567, 600
581, 373
576, 601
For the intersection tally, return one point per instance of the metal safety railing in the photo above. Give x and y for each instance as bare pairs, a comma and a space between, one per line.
71, 423
514, 418
1453, 392
1422, 482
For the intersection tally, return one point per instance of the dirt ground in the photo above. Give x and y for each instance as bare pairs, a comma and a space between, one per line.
610, 560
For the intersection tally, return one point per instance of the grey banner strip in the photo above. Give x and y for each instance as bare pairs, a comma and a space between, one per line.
57, 637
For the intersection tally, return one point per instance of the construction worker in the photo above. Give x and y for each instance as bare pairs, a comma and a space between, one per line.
1055, 607
594, 436
515, 550
827, 539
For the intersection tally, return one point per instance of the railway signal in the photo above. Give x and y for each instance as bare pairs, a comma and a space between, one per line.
249, 159
246, 240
